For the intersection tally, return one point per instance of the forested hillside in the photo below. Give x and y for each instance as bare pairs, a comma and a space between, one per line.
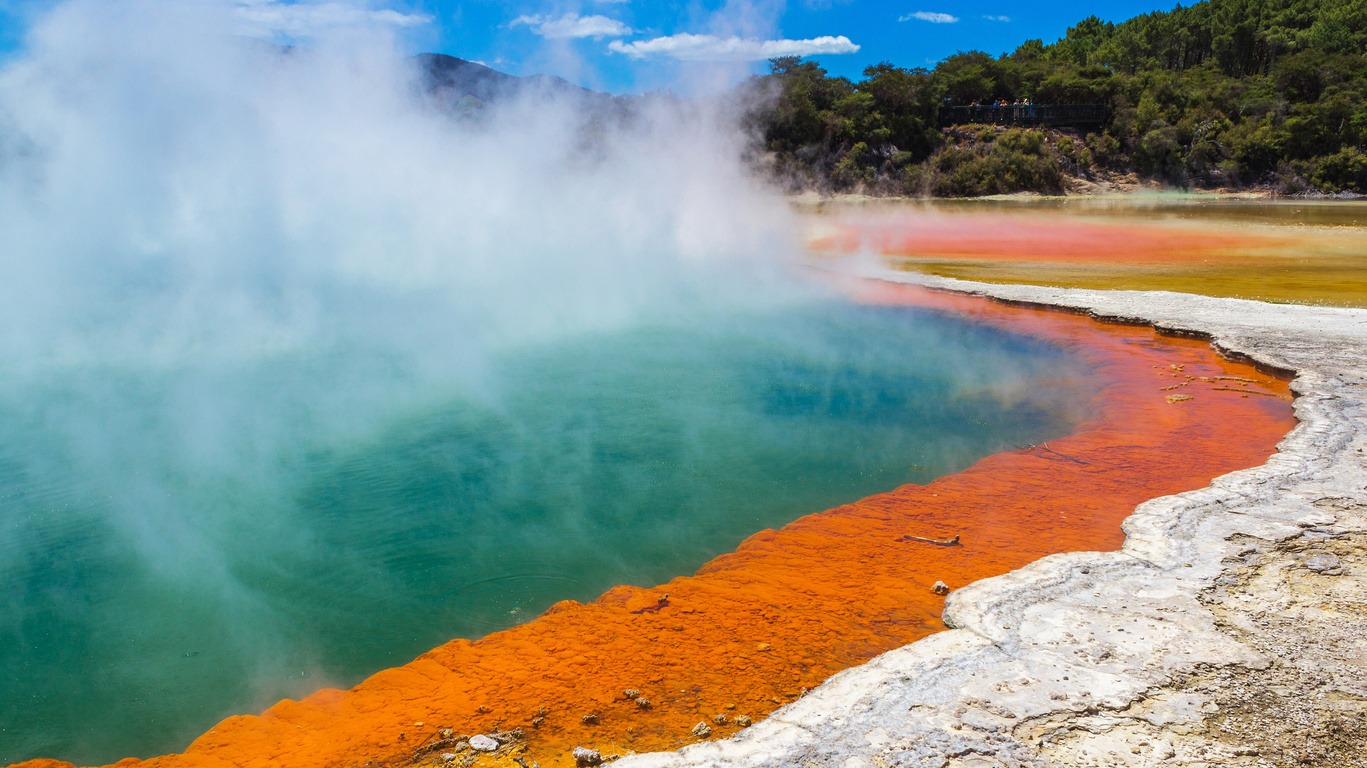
1224, 93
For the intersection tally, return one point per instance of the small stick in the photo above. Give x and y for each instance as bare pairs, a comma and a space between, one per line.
1063, 456
954, 542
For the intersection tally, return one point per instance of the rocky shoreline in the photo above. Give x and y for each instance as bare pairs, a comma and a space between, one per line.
1227, 631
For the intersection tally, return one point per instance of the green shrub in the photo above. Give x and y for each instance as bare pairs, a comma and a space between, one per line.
1015, 162
853, 170
1160, 153
1025, 142
1345, 170
1104, 147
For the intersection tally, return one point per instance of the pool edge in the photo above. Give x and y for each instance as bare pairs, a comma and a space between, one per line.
1008, 685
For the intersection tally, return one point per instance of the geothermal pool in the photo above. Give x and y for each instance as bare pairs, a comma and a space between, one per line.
305, 376
198, 538
754, 628
1297, 251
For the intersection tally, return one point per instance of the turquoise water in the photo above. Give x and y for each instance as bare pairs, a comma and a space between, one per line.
194, 539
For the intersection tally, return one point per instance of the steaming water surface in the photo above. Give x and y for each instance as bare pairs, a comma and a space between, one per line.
1297, 251
299, 545
305, 372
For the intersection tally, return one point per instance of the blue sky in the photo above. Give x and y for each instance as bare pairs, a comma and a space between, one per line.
636, 45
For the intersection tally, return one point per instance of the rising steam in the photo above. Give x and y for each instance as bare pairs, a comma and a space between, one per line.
272, 318
169, 187
176, 197
219, 251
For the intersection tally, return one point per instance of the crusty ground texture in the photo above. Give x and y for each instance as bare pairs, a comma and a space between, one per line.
1231, 629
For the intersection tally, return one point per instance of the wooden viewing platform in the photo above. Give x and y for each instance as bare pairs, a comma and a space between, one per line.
1026, 114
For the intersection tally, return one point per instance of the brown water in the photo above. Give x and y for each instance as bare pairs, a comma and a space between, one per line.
1310, 252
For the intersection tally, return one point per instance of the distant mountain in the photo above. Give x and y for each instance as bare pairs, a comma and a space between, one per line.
456, 81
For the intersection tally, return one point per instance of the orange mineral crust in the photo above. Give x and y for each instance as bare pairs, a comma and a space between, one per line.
754, 628
1045, 239
1265, 252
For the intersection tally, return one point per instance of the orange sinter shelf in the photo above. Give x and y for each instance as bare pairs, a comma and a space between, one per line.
1045, 240
1268, 252
638, 669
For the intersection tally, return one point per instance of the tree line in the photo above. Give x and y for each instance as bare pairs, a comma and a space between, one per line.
1223, 93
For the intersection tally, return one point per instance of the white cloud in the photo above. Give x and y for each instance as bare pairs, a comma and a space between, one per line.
272, 17
930, 16
998, 18
572, 26
712, 48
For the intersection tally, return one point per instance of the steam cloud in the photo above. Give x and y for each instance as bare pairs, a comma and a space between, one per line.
178, 199
223, 194
216, 248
